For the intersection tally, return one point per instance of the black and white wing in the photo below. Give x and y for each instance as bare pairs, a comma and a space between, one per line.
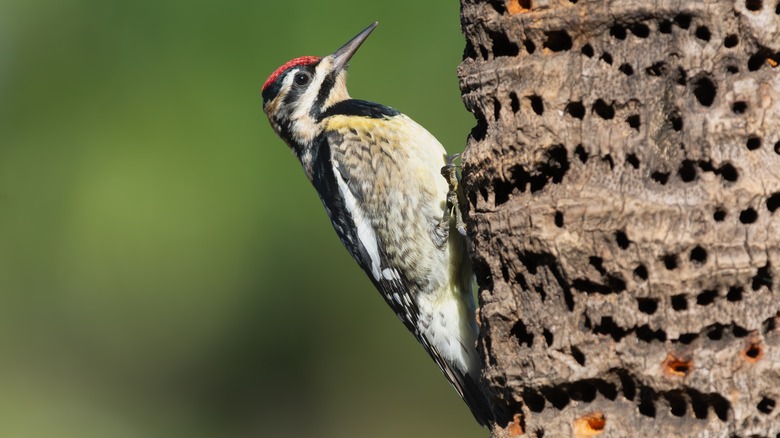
356, 233
354, 229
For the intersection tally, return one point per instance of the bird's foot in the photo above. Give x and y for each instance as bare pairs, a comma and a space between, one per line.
450, 173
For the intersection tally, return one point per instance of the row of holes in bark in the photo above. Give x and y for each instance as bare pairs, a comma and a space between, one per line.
560, 40
752, 352
698, 257
659, 68
607, 326
687, 172
647, 398
576, 109
594, 423
602, 109
760, 58
704, 91
707, 297
749, 215
554, 168
615, 283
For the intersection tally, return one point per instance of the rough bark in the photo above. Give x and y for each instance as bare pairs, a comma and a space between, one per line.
623, 182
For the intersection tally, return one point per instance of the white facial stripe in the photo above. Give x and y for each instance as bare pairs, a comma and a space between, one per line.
310, 96
305, 127
289, 78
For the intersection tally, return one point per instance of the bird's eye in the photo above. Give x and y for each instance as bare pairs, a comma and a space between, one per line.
302, 78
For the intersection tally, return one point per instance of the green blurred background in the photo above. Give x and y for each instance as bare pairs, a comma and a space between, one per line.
166, 270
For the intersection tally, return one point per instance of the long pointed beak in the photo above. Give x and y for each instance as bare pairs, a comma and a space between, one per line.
343, 55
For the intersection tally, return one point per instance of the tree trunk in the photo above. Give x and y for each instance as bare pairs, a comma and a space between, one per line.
623, 182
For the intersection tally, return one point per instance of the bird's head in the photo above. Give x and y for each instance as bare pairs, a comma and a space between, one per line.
298, 92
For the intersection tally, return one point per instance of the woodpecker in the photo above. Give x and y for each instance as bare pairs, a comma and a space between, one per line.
380, 177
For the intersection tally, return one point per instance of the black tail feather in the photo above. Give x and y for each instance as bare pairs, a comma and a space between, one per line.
477, 401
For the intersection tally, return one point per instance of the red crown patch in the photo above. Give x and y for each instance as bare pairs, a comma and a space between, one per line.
303, 60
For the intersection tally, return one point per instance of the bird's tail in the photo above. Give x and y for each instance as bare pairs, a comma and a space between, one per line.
475, 398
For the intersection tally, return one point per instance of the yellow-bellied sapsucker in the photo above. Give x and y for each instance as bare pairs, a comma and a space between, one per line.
379, 176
